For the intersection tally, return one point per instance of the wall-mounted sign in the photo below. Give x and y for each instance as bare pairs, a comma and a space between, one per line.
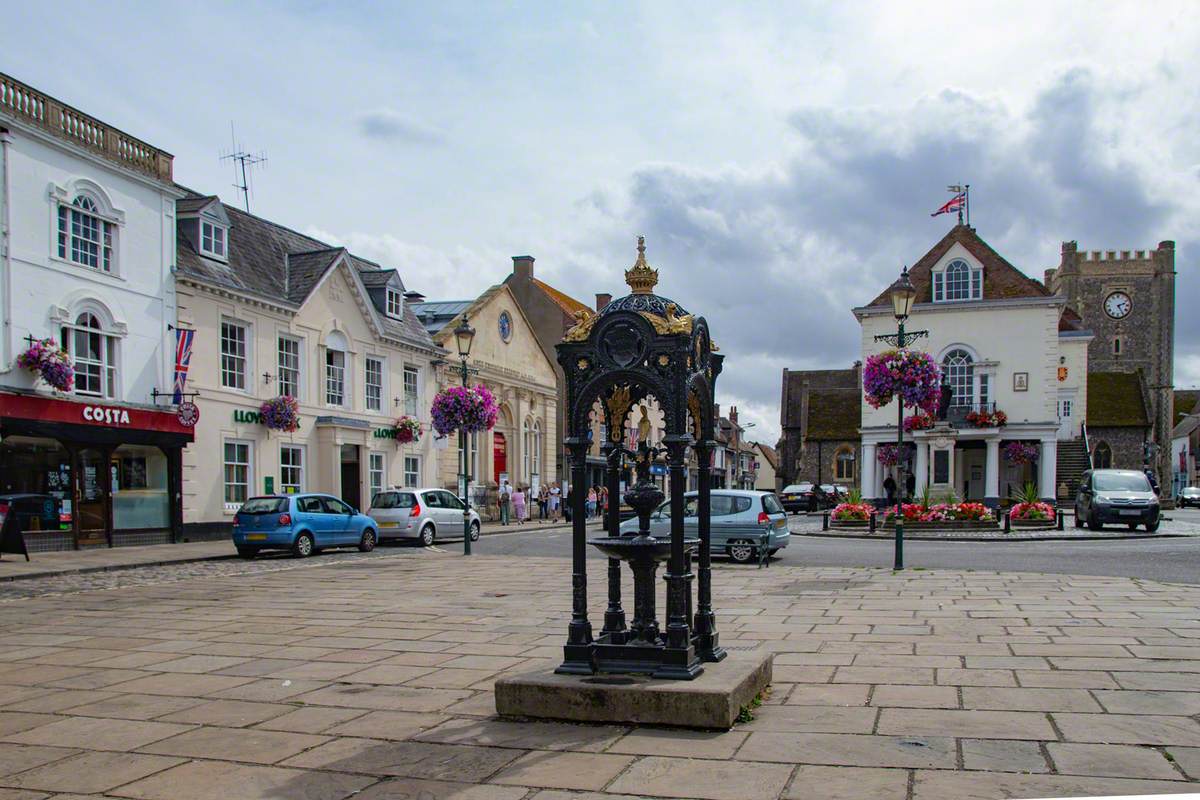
268, 484
242, 415
105, 415
385, 433
1062, 373
188, 414
1020, 381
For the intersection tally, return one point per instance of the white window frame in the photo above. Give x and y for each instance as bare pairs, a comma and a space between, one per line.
109, 360
973, 283
214, 242
280, 367
412, 398
224, 374
381, 386
394, 303
412, 472
302, 468
374, 487
69, 218
233, 505
335, 378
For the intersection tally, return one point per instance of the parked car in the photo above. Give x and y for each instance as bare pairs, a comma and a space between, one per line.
1121, 496
831, 495
739, 517
421, 514
34, 512
1188, 497
302, 523
799, 497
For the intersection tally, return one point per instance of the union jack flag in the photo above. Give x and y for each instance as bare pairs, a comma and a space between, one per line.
183, 358
955, 203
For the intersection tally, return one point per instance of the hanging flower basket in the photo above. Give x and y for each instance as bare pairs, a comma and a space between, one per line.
1020, 453
890, 455
281, 413
406, 430
987, 419
50, 362
464, 408
910, 374
918, 422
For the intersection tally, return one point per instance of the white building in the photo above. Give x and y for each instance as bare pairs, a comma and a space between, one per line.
88, 220
1006, 344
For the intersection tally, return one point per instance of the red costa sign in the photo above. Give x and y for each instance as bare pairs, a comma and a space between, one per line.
50, 409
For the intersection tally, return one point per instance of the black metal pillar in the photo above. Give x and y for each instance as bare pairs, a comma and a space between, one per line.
579, 651
680, 656
707, 645
614, 615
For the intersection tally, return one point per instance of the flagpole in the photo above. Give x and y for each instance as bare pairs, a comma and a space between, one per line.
967, 202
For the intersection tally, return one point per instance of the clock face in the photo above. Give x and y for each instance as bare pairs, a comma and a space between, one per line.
1118, 305
505, 326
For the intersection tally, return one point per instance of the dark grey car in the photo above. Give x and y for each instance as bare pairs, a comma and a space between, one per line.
1116, 496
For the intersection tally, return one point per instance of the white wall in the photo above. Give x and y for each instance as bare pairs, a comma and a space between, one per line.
139, 295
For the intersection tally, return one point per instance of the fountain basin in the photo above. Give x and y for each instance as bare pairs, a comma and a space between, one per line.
636, 548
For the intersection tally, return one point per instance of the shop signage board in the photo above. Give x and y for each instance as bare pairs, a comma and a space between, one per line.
242, 415
268, 484
11, 538
106, 415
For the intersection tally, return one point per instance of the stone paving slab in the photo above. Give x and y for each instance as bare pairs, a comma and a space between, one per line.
372, 678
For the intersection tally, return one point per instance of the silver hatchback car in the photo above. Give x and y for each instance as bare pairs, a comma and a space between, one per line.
421, 514
739, 518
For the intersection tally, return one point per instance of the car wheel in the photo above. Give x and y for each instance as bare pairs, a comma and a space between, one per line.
303, 547
427, 536
247, 552
368, 541
474, 531
1151, 527
741, 551
1094, 522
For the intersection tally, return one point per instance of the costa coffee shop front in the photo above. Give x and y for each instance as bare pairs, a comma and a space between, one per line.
104, 474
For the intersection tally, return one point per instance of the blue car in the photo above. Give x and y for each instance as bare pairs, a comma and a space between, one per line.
302, 523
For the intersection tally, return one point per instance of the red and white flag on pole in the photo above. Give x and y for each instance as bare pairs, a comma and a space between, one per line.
955, 203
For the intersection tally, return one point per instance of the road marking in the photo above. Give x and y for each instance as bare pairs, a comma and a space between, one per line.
435, 549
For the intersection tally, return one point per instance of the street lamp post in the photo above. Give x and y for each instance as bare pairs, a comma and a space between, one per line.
903, 293
464, 334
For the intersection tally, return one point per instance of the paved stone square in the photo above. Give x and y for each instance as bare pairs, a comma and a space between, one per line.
372, 677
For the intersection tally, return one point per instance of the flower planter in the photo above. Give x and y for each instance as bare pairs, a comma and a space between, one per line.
945, 525
1032, 524
849, 524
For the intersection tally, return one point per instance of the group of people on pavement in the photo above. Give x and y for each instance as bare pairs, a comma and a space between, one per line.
517, 503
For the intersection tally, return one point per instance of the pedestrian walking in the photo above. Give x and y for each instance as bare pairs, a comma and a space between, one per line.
910, 485
518, 501
543, 502
591, 502
555, 501
505, 496
889, 486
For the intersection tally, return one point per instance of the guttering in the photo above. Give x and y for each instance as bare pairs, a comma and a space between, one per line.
1052, 300
6, 331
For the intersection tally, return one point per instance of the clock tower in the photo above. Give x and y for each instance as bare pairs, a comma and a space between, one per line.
1127, 300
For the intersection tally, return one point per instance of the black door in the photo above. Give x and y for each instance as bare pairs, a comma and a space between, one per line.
351, 476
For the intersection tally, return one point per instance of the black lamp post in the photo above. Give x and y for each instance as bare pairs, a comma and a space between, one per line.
903, 294
464, 334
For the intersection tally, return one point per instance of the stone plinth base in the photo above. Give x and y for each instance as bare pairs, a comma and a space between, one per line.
713, 700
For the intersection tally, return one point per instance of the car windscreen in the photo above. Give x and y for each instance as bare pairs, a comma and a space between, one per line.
1120, 482
393, 500
797, 487
770, 504
1191, 492
265, 505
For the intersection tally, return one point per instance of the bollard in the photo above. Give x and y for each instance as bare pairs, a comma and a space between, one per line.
870, 523
1008, 522
825, 521
1058, 519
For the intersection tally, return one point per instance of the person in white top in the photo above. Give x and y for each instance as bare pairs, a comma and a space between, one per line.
555, 502
505, 495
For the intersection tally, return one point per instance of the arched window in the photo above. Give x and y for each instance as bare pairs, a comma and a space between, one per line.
535, 452
527, 447
1102, 456
957, 282
843, 464
93, 354
84, 236
959, 369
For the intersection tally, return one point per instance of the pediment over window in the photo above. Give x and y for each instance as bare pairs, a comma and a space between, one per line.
956, 278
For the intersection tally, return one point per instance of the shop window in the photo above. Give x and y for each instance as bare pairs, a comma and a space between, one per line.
289, 366
376, 472
139, 488
237, 473
844, 464
41, 468
233, 355
412, 377
412, 471
291, 469
84, 236
374, 383
93, 355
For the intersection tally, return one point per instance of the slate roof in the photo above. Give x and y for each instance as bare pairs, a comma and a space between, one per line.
1114, 400
436, 314
277, 264
834, 414
1001, 280
1184, 403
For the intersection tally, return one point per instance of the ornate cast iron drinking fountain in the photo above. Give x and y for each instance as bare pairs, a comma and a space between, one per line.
640, 346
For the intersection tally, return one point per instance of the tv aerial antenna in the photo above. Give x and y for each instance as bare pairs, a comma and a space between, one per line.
243, 165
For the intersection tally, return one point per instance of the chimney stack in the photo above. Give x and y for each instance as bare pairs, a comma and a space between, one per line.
1049, 279
733, 414
602, 299
523, 267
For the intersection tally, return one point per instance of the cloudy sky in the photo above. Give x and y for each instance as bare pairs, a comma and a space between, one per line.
781, 163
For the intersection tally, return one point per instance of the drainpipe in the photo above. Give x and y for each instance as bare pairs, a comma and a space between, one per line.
6, 231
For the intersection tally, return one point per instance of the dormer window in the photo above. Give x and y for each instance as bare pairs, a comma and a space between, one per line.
395, 303
212, 240
958, 281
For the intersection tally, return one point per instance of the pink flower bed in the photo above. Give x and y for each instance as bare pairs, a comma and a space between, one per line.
852, 512
941, 512
1043, 512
